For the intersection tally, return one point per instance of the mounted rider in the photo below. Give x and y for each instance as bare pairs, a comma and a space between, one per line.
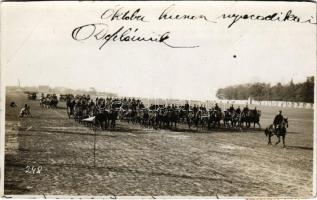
195, 109
217, 108
245, 110
100, 106
231, 109
186, 106
238, 111
278, 120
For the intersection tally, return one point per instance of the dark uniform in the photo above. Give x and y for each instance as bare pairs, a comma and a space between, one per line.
231, 109
238, 111
186, 106
195, 109
278, 119
245, 110
217, 107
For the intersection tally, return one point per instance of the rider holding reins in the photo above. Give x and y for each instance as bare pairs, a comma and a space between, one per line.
278, 119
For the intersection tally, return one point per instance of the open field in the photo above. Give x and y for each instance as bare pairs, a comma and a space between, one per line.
131, 160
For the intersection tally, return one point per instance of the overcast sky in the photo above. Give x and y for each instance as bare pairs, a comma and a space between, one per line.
38, 49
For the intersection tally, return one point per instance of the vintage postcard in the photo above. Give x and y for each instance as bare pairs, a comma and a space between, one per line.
184, 99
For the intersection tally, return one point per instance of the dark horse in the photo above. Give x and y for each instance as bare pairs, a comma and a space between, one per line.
112, 117
101, 118
172, 118
253, 116
70, 103
279, 131
214, 119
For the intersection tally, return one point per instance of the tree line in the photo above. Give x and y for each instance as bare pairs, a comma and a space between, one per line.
299, 92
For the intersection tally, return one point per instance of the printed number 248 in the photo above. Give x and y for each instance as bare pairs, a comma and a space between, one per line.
33, 170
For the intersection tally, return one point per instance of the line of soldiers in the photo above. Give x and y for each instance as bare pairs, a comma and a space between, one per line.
238, 111
49, 101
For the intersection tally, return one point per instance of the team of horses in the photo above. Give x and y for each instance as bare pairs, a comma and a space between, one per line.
31, 95
94, 114
165, 117
49, 101
103, 114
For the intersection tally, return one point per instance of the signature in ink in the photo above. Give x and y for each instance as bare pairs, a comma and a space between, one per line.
101, 32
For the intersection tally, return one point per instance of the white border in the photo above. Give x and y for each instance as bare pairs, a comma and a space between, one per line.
2, 112
2, 145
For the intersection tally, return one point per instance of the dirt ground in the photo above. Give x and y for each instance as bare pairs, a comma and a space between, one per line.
132, 160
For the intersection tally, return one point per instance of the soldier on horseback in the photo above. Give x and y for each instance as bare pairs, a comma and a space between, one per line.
231, 109
278, 128
278, 120
217, 108
245, 110
186, 107
238, 111
195, 109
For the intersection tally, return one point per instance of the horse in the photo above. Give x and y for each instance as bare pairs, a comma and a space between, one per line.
70, 103
269, 132
254, 117
215, 117
279, 131
101, 118
145, 121
182, 115
197, 119
32, 96
245, 118
112, 117
130, 116
49, 101
235, 118
227, 118
190, 118
172, 118
204, 120
78, 111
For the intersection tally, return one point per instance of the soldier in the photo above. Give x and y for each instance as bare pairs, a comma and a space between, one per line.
278, 119
204, 108
245, 109
25, 111
255, 111
238, 111
186, 106
217, 107
195, 109
231, 109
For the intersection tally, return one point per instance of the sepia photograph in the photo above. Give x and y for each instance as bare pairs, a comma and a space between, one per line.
177, 99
